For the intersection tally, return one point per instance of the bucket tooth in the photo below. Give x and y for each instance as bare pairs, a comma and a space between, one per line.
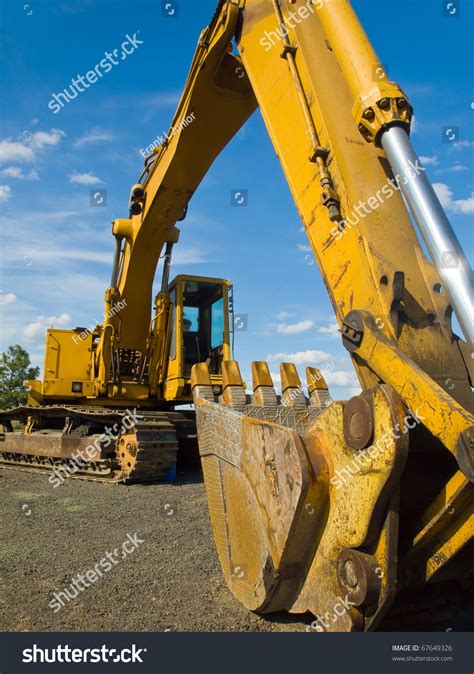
319, 395
201, 382
263, 391
291, 393
233, 389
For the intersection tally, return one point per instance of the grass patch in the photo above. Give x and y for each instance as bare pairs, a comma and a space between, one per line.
7, 551
27, 495
71, 505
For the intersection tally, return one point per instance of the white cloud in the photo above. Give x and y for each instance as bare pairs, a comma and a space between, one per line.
17, 172
95, 135
340, 378
463, 144
429, 161
332, 330
85, 179
282, 315
301, 357
276, 378
457, 168
57, 249
295, 328
5, 193
465, 206
8, 298
53, 252
41, 139
42, 323
12, 172
188, 255
12, 151
304, 248
445, 195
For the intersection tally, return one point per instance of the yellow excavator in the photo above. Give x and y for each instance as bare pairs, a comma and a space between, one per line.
365, 504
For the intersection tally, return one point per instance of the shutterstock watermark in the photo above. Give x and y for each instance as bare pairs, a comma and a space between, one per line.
323, 622
64, 653
364, 457
80, 458
314, 379
273, 37
104, 66
84, 334
84, 580
165, 138
365, 208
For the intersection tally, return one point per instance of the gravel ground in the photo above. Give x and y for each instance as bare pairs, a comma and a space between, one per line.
171, 581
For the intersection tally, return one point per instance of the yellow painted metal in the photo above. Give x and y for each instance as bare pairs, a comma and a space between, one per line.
289, 376
158, 341
444, 529
355, 504
175, 379
315, 380
374, 262
231, 374
70, 357
200, 375
261, 374
432, 405
67, 360
377, 101
280, 511
453, 542
218, 103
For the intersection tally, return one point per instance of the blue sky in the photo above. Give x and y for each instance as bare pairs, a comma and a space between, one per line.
57, 249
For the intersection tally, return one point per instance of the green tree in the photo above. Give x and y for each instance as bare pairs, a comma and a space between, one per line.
15, 368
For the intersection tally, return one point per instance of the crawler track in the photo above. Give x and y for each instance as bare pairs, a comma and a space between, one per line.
93, 443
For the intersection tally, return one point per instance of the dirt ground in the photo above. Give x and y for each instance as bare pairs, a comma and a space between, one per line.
171, 581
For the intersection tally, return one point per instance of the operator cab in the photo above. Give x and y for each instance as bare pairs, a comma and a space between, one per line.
199, 328
203, 324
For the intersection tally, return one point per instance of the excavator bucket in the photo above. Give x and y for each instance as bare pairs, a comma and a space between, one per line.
303, 493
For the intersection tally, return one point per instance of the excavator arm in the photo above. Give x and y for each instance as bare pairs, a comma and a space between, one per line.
314, 86
216, 102
313, 500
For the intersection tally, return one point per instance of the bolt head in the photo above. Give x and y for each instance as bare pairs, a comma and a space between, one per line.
357, 577
358, 422
357, 425
350, 572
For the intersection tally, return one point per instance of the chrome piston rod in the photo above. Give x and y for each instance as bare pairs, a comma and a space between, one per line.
434, 226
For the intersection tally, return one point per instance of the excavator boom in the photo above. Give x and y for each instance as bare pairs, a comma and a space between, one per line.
312, 501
